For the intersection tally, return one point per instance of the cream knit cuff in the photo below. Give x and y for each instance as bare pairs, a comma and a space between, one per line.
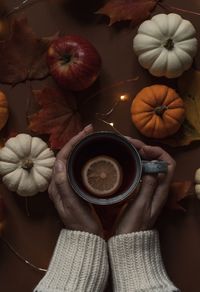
136, 263
79, 263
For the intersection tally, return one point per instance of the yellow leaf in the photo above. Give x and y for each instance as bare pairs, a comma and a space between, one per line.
189, 90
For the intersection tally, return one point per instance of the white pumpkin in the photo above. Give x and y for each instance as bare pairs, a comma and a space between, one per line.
26, 165
166, 45
197, 183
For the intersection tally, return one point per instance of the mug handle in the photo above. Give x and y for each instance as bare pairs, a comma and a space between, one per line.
154, 166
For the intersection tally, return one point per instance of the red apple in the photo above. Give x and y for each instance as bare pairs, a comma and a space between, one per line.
73, 62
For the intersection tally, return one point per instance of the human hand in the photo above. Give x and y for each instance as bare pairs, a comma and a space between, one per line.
142, 212
75, 213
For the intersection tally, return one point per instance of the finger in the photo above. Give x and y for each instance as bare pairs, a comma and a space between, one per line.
140, 208
148, 187
157, 153
137, 143
145, 195
154, 152
161, 194
69, 198
56, 199
59, 170
65, 151
158, 202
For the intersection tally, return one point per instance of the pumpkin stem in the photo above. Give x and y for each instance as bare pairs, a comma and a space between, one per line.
27, 164
159, 110
169, 45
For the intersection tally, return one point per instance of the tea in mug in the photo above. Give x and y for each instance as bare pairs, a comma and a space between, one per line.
102, 175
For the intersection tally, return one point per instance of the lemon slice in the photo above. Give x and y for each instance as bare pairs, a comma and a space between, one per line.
102, 176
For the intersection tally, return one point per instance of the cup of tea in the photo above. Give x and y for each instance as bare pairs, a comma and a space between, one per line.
105, 168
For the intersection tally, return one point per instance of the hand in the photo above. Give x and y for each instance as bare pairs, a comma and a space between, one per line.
75, 213
142, 212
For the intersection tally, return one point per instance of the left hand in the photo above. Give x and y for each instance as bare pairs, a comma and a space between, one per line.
75, 213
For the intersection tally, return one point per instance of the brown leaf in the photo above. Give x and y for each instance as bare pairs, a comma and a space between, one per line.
179, 191
5, 135
57, 117
189, 89
135, 11
23, 55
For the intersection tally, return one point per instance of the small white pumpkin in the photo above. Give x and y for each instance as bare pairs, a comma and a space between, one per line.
166, 45
26, 165
197, 183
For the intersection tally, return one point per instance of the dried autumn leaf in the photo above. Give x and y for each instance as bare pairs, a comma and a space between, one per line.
179, 191
5, 135
57, 117
23, 55
135, 11
189, 89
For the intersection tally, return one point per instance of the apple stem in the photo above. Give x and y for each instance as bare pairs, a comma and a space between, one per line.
65, 59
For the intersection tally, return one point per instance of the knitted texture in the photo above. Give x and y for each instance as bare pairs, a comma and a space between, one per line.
136, 263
79, 263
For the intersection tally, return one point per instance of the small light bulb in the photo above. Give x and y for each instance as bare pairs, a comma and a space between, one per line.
124, 97
111, 124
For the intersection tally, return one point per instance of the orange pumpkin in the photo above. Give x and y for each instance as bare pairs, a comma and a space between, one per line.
157, 111
3, 110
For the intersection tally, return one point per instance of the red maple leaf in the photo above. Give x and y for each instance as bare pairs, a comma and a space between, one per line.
135, 11
57, 117
23, 55
179, 191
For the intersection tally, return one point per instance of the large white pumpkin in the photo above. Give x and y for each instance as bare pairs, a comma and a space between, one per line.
166, 45
26, 164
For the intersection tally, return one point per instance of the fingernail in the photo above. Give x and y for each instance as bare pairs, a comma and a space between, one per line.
59, 166
88, 128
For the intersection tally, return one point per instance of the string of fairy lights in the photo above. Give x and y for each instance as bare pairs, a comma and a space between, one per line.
102, 116
21, 5
26, 3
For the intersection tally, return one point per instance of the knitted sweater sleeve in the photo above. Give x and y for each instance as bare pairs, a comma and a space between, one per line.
136, 263
79, 263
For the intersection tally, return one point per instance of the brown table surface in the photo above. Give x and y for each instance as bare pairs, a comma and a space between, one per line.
35, 236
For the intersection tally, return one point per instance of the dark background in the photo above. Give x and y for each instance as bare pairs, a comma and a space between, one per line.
35, 236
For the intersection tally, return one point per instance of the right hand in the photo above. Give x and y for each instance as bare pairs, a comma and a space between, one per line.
142, 212
75, 213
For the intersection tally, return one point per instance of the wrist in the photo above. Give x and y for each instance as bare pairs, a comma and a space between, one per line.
92, 230
79, 261
133, 229
138, 253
